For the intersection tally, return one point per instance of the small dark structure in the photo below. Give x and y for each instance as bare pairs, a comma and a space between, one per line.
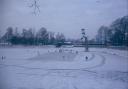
59, 44
85, 39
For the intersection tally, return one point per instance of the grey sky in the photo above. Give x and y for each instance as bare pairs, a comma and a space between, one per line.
66, 16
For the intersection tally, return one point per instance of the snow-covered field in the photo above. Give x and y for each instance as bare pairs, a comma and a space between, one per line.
47, 68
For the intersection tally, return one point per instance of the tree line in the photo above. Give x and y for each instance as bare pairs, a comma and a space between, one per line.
116, 34
30, 37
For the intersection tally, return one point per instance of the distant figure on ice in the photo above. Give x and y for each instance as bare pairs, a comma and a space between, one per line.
86, 58
60, 50
3, 57
76, 52
63, 57
70, 51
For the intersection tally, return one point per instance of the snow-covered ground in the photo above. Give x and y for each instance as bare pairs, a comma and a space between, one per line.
47, 68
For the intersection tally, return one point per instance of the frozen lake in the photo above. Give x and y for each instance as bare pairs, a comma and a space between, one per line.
48, 68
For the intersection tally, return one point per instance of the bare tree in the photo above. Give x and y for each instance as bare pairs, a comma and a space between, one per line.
35, 6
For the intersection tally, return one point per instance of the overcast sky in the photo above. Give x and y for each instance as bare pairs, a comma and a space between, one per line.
66, 16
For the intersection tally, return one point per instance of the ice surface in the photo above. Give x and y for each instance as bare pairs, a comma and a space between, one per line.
46, 68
